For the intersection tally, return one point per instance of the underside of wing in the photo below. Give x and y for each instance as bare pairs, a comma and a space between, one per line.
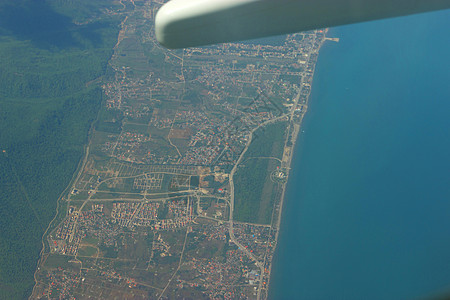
188, 23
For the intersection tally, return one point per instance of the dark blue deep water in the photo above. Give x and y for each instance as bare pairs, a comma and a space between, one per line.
367, 210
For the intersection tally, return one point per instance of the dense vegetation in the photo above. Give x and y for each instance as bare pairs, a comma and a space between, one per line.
250, 181
46, 110
255, 192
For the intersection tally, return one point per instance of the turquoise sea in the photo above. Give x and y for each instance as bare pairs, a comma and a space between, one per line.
367, 210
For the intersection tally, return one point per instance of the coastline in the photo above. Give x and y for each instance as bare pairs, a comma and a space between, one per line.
294, 117
278, 211
350, 220
335, 228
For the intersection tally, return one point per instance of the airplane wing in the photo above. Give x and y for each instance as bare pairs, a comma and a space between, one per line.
189, 23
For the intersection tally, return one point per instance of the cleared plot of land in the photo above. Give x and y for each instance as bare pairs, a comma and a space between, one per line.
87, 251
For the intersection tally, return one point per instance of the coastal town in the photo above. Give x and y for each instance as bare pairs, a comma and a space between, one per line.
180, 192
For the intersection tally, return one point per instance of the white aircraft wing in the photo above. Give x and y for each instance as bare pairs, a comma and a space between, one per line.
188, 23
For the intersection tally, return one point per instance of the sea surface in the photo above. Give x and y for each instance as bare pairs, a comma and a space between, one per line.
367, 209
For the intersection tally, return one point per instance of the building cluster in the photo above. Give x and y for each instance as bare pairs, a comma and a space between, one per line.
125, 88
243, 85
254, 238
160, 247
213, 232
126, 146
96, 224
179, 215
79, 225
189, 116
127, 214
132, 214
152, 181
223, 278
60, 284
67, 236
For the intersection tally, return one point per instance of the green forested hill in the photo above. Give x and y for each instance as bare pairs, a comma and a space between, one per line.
49, 50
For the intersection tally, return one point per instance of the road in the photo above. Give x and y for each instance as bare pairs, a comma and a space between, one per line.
231, 176
289, 115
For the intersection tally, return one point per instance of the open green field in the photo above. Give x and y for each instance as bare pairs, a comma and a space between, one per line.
255, 191
46, 110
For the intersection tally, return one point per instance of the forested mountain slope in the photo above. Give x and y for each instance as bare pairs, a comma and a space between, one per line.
49, 51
